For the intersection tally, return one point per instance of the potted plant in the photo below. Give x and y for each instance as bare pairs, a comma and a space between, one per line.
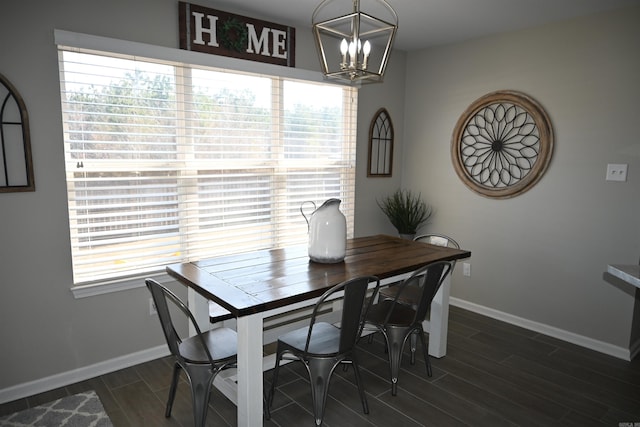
406, 211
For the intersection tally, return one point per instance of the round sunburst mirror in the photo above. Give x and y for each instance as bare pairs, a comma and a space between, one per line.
502, 144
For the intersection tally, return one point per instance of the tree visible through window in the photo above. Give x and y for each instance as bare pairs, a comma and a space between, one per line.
169, 162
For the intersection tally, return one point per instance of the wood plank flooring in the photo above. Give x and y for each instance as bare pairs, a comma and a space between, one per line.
494, 374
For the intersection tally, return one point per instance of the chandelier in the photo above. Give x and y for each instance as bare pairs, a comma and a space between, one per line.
354, 46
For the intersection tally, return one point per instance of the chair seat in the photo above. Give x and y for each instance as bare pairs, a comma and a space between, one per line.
222, 343
402, 315
325, 339
410, 295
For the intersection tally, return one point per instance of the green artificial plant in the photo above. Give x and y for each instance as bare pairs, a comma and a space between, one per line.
405, 210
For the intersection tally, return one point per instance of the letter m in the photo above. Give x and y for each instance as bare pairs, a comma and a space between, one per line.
262, 43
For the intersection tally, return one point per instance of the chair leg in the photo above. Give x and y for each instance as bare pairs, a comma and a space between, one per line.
425, 351
200, 378
414, 341
395, 343
172, 390
363, 396
265, 407
274, 380
319, 375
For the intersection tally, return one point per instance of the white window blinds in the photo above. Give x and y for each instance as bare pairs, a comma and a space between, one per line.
167, 162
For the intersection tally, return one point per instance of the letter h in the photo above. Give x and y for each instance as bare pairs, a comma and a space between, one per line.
199, 18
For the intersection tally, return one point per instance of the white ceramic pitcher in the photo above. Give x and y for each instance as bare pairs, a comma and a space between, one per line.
327, 232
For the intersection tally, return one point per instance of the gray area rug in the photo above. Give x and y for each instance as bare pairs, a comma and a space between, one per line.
79, 410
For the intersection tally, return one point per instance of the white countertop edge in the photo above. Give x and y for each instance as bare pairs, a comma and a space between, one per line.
628, 273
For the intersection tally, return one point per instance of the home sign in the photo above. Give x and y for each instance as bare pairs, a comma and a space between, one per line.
221, 33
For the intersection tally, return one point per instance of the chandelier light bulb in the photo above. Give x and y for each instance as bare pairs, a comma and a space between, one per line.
352, 54
366, 50
344, 47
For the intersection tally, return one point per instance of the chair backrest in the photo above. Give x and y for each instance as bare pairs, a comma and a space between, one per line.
161, 296
355, 307
429, 278
438, 240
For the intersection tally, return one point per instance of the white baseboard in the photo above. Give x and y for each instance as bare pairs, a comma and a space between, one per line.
581, 340
81, 374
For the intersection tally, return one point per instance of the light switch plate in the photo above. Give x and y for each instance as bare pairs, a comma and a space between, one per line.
616, 172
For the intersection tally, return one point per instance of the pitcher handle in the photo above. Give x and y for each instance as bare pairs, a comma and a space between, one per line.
305, 217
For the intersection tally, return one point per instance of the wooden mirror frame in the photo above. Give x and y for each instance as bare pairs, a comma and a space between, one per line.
16, 167
380, 159
502, 144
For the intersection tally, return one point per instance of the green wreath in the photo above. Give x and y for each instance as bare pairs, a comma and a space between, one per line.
234, 35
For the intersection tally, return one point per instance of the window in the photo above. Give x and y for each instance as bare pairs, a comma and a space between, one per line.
168, 162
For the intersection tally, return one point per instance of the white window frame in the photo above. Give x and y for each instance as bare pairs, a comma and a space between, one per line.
89, 42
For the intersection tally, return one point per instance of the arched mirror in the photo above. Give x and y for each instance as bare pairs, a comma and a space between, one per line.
16, 168
380, 144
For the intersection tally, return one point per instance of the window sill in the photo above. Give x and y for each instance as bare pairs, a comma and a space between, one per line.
107, 287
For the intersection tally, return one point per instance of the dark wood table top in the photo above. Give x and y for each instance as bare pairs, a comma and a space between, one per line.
253, 282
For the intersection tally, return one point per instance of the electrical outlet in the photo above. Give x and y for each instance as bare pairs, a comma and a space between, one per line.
616, 172
152, 308
466, 269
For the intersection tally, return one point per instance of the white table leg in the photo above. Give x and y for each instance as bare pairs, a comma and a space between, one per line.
250, 370
439, 320
199, 307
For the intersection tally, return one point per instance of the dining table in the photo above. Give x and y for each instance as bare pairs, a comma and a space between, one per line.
257, 285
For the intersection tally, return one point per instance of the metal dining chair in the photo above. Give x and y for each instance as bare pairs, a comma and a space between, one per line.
322, 346
201, 357
398, 321
411, 295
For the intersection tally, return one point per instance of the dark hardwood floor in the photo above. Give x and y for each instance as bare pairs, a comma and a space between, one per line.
494, 374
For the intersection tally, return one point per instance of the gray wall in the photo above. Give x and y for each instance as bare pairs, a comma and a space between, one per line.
539, 256
45, 330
